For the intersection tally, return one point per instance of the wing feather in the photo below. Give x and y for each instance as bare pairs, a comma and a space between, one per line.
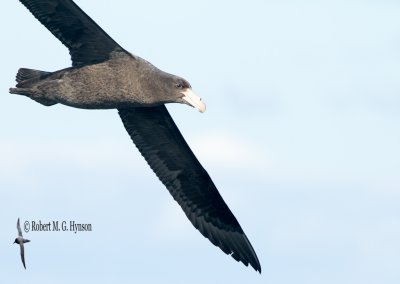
22, 252
19, 229
166, 151
86, 41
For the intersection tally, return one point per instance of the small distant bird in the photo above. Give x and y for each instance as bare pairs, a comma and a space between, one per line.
20, 240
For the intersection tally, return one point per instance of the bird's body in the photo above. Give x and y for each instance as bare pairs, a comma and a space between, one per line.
105, 76
21, 240
94, 86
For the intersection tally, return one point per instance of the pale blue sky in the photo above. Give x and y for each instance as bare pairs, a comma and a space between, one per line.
301, 136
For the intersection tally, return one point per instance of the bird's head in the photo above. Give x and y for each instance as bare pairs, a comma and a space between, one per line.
185, 95
167, 88
15, 241
159, 87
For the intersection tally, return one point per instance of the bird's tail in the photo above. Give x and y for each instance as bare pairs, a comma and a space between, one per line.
26, 79
28, 76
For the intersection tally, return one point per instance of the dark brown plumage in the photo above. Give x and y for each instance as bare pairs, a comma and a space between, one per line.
104, 75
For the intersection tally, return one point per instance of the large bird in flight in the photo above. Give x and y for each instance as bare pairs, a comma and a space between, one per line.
105, 76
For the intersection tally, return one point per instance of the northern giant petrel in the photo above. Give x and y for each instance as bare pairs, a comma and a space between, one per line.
20, 241
105, 76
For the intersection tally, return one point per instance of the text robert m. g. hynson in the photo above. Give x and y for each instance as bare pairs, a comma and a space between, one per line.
56, 226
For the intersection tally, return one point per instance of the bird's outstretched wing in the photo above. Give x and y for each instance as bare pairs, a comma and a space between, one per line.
19, 229
165, 150
22, 251
86, 41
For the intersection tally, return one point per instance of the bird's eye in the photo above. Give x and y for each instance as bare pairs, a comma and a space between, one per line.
179, 85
